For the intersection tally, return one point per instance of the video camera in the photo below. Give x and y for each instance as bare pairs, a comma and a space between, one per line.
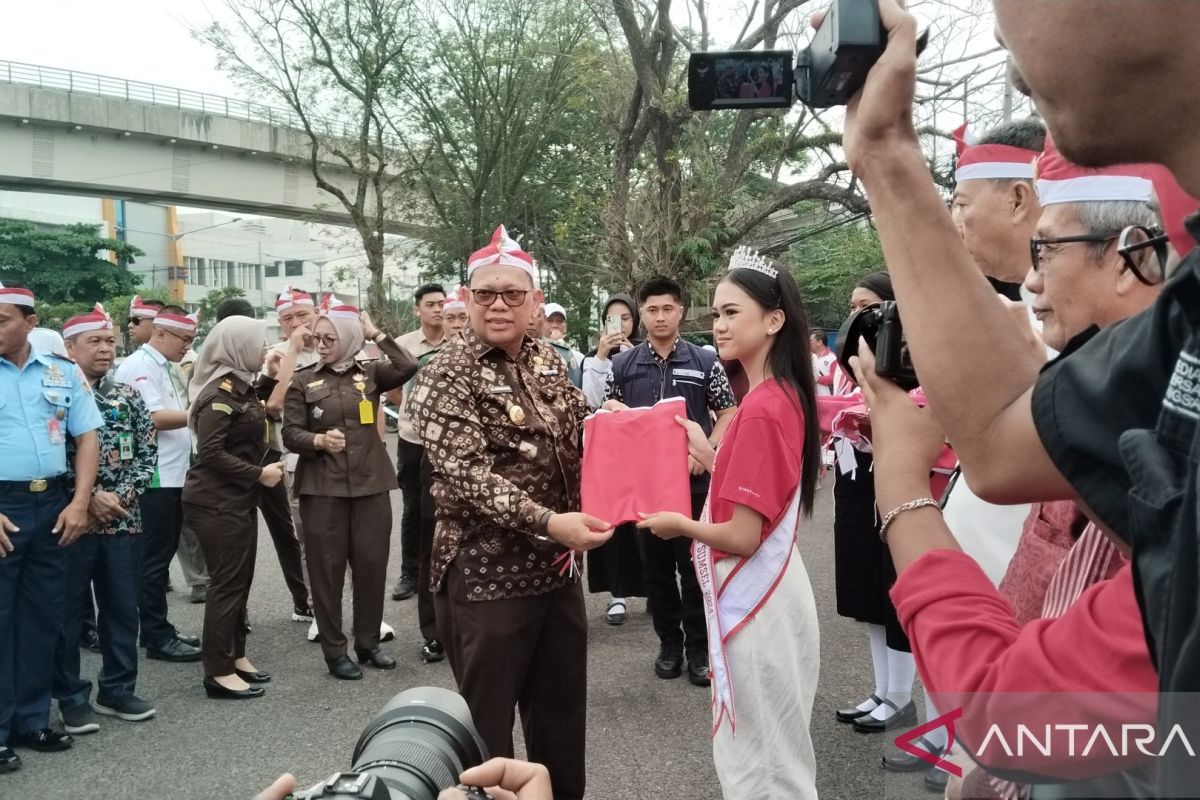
827, 73
880, 326
416, 746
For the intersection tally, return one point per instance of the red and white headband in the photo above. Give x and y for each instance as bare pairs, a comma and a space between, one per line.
503, 251
139, 309
16, 297
457, 301
94, 320
332, 307
991, 161
289, 298
187, 323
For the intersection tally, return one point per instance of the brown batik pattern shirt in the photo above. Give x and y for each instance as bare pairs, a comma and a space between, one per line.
503, 436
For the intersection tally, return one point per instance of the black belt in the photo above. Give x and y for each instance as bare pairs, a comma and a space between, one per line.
35, 486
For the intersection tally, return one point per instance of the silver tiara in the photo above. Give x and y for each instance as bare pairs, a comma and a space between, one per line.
745, 258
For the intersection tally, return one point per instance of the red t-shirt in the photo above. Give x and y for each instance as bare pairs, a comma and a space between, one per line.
758, 462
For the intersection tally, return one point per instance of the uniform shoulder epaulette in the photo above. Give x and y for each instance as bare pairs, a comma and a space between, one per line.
62, 357
310, 368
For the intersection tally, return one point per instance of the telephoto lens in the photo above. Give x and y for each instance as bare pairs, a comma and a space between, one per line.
416, 746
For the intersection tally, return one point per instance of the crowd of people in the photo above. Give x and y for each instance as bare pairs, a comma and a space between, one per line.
1019, 531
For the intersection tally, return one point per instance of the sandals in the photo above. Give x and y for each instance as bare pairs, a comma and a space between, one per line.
617, 611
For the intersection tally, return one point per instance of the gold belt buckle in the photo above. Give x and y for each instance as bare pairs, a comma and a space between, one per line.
39, 485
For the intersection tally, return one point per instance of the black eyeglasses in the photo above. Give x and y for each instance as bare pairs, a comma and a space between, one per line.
1130, 240
512, 297
1036, 245
328, 341
1139, 237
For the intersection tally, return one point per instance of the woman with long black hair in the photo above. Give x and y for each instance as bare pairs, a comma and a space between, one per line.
764, 476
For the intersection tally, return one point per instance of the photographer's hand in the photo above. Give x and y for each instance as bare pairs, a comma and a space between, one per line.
284, 785
506, 779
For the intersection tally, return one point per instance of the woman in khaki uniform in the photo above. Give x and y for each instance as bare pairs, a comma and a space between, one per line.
220, 498
343, 479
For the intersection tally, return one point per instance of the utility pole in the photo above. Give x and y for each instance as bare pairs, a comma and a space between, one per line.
1008, 89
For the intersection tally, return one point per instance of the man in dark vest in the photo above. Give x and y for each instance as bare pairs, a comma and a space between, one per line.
667, 366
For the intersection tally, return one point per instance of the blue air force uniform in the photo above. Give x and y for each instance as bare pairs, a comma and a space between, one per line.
41, 406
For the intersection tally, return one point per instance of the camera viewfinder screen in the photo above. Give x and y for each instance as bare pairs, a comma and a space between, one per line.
752, 82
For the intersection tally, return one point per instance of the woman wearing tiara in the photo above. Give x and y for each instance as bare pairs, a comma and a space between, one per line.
754, 582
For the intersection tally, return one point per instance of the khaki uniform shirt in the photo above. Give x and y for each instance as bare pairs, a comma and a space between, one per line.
320, 400
231, 443
503, 437
417, 345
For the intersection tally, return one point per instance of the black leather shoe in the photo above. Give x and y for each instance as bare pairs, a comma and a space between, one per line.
903, 762
433, 651
219, 692
344, 669
176, 650
405, 588
90, 640
376, 658
669, 663
9, 760
852, 713
253, 677
936, 780
194, 641
903, 717
46, 740
697, 669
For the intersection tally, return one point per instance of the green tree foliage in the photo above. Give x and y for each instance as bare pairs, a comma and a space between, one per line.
828, 265
65, 264
214, 298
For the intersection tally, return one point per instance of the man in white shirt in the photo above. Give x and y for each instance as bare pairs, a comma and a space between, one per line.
822, 361
148, 370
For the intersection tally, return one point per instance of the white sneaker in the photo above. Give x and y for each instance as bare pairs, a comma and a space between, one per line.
386, 632
312, 631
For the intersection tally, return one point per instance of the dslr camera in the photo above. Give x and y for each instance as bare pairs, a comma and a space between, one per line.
827, 73
413, 748
879, 325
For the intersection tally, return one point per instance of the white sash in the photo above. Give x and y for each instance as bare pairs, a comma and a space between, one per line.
727, 609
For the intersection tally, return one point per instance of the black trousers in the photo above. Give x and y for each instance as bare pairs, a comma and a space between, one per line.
162, 521
408, 474
529, 653
277, 513
426, 612
672, 592
229, 540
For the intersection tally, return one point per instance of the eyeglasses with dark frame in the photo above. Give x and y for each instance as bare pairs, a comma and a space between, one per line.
185, 339
328, 341
1129, 240
512, 297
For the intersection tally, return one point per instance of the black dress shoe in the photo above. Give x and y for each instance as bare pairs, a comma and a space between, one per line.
253, 677
936, 780
376, 658
669, 663
46, 740
9, 760
848, 715
194, 641
176, 650
904, 762
90, 640
903, 717
344, 669
433, 651
405, 588
697, 669
219, 692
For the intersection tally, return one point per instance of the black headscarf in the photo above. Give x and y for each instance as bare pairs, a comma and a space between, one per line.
636, 336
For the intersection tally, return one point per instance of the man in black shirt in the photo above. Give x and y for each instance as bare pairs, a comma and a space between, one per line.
1114, 423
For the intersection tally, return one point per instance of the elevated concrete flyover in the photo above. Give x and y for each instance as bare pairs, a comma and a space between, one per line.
67, 132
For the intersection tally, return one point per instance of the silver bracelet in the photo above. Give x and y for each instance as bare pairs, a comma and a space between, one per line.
920, 502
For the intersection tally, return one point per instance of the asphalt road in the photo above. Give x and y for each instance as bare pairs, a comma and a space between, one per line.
647, 738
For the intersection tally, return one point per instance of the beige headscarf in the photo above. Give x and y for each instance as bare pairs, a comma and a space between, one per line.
233, 346
350, 341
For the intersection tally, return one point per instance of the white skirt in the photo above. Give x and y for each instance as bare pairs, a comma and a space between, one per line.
774, 679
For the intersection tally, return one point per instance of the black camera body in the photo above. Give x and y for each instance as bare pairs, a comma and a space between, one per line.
878, 325
827, 73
